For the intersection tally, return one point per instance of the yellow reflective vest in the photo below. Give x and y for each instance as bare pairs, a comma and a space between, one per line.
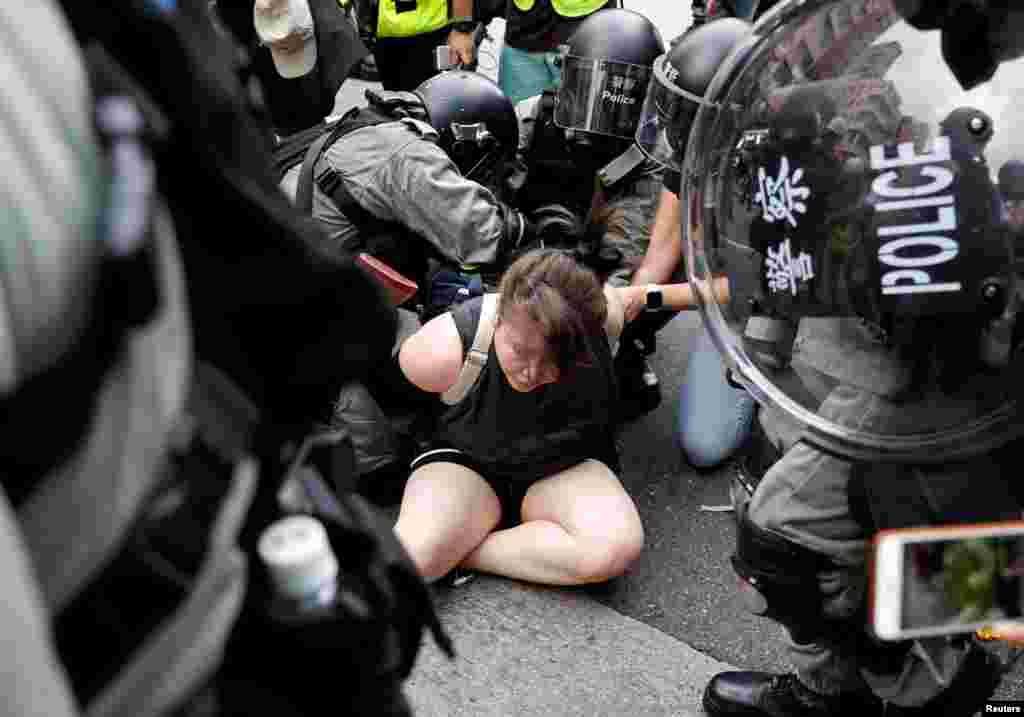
428, 16
565, 8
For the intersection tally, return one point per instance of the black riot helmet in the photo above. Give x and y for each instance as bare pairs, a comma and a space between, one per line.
606, 67
680, 78
843, 175
475, 120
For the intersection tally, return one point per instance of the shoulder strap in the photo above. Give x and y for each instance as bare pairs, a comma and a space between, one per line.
476, 357
356, 118
304, 193
615, 321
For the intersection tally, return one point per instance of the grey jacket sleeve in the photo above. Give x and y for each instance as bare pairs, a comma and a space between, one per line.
461, 218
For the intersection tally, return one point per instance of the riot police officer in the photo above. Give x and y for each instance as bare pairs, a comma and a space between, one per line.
841, 171
586, 178
417, 175
138, 453
714, 417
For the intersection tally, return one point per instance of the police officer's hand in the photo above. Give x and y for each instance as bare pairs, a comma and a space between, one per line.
461, 48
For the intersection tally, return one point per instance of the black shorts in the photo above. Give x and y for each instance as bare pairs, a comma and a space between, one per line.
510, 493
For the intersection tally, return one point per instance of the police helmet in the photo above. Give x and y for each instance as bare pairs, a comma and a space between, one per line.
680, 78
606, 67
843, 176
475, 120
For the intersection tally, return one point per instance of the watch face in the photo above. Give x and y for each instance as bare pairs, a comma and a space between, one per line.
654, 300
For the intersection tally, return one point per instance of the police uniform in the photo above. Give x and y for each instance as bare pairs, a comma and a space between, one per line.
128, 470
621, 217
393, 180
73, 515
873, 315
399, 174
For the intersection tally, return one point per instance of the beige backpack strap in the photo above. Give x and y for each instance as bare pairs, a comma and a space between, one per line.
476, 357
616, 320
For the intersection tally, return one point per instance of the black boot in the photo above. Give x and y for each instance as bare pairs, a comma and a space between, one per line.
761, 694
978, 678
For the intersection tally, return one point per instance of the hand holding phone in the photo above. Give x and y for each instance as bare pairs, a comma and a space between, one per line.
947, 580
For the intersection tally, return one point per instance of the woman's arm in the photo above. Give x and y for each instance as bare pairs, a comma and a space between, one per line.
676, 297
432, 357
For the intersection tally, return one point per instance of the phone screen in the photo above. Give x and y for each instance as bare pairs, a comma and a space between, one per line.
961, 583
442, 59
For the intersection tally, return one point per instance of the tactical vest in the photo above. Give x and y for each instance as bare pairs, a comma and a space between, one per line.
405, 18
565, 8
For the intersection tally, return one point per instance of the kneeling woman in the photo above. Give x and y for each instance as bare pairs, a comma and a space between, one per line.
522, 481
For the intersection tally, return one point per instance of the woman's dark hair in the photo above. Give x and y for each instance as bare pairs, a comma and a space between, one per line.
564, 298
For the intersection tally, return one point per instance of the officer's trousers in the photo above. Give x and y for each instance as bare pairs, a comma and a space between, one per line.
803, 498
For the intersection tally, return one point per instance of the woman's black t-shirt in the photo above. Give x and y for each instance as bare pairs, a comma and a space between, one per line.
528, 436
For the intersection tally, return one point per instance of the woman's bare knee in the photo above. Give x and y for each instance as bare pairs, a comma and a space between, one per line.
610, 556
590, 504
447, 510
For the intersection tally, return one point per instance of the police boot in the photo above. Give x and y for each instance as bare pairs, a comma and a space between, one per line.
761, 694
639, 388
977, 679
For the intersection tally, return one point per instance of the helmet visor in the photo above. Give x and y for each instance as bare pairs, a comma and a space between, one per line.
667, 115
601, 96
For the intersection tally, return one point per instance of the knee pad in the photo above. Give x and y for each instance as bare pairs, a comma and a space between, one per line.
779, 580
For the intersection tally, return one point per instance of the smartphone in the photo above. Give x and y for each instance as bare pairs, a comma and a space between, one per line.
946, 580
442, 60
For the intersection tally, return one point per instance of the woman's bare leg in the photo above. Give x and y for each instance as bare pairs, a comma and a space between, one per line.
447, 509
579, 526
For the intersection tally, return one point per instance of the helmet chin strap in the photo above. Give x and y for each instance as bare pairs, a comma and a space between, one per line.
471, 172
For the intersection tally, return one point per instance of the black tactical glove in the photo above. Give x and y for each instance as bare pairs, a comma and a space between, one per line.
557, 225
520, 237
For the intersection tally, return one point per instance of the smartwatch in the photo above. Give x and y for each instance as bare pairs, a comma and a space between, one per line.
655, 300
463, 25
